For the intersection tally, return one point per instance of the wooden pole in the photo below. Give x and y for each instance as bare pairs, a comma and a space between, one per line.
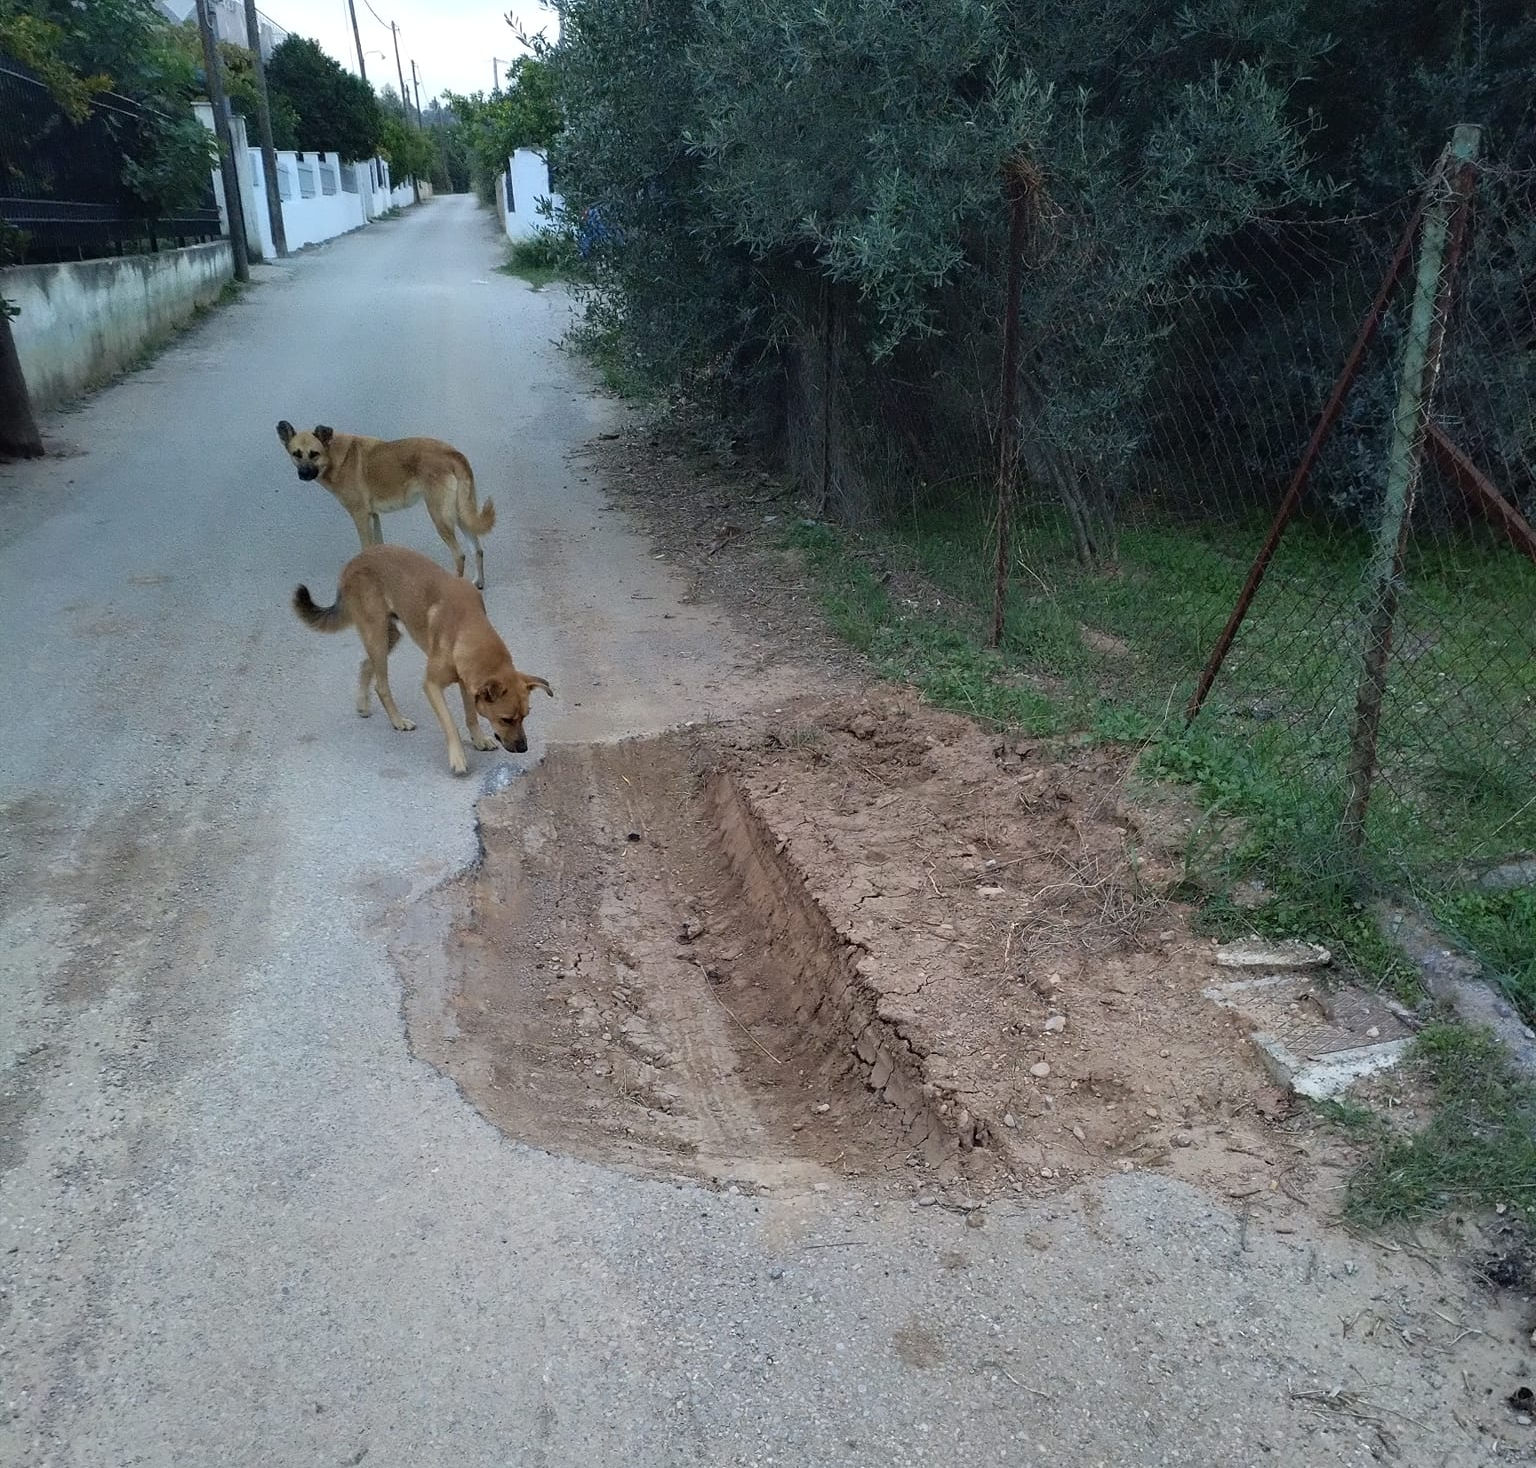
1444, 223
264, 126
19, 437
405, 101
357, 40
228, 170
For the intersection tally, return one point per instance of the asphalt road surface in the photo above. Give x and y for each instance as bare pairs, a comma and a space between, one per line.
240, 1225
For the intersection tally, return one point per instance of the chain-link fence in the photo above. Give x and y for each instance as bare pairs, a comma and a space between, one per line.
1352, 397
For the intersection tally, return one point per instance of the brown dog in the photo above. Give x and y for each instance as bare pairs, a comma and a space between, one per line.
372, 474
386, 586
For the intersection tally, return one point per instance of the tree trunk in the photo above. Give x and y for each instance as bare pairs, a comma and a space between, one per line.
19, 438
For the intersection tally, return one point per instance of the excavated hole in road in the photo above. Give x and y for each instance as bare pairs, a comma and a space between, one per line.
859, 939
636, 975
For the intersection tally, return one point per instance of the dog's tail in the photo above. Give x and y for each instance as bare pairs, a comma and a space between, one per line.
475, 521
322, 619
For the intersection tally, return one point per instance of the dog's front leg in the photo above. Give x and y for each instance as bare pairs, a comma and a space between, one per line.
477, 736
456, 761
376, 527
364, 528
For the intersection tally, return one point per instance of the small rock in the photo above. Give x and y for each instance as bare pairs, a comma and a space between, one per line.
1010, 1120
1040, 1070
927, 1201
633, 836
989, 892
777, 1272
975, 1220
1077, 1132
1373, 1033
1046, 1172
1183, 1139
968, 1204
821, 1108
1152, 1112
1055, 1024
690, 932
1126, 1165
1287, 953
821, 1187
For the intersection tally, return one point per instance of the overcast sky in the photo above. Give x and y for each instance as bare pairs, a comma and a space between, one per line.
453, 41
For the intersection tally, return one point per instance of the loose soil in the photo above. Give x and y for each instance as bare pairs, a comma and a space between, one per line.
868, 939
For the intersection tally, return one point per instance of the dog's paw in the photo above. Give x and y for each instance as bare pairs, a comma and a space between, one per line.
458, 764
482, 741
406, 725
364, 712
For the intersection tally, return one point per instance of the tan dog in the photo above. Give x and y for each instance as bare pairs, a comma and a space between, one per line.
372, 474
386, 586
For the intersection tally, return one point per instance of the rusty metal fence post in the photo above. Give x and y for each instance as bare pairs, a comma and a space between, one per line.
1338, 394
1439, 252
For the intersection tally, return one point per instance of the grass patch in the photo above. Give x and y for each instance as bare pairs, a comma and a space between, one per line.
542, 259
1113, 653
1479, 1148
1500, 927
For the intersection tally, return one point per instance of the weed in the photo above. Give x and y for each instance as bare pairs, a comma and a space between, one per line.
1501, 928
1348, 1116
1479, 1149
542, 258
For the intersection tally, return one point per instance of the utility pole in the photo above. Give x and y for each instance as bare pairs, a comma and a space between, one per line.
227, 167
495, 76
416, 88
394, 31
357, 40
264, 123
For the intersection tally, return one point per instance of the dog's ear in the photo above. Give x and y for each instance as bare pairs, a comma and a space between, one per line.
490, 691
285, 432
323, 433
534, 681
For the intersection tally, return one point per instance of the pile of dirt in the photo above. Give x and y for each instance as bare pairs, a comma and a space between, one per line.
869, 939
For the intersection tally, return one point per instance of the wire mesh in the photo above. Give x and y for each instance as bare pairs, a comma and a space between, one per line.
1158, 438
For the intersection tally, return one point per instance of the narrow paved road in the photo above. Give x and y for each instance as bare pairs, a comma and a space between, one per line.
239, 1225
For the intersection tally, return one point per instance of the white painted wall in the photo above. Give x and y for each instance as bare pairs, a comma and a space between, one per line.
83, 321
322, 197
527, 175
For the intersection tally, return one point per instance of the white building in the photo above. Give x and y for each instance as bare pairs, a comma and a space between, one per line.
524, 195
228, 18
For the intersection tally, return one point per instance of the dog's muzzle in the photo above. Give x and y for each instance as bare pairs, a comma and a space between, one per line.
520, 747
307, 474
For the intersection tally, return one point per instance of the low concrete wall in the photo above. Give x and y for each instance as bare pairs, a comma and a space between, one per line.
84, 321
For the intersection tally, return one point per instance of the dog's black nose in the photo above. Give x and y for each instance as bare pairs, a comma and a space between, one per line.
309, 473
521, 747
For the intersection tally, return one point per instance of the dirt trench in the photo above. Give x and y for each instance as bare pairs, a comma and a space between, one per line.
860, 939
